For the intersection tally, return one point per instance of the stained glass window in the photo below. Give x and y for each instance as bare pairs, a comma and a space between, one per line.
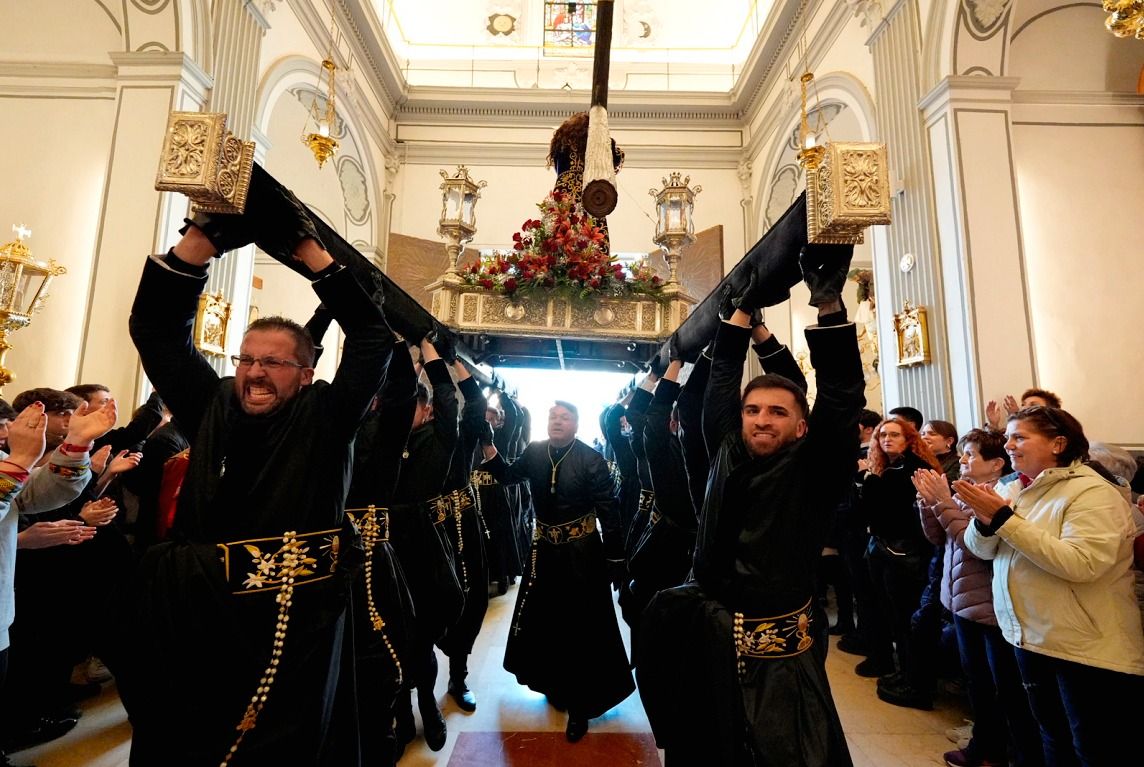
569, 27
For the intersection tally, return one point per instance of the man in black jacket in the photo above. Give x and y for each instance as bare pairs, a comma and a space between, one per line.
249, 598
777, 470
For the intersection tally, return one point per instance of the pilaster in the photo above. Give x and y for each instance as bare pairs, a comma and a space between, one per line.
975, 182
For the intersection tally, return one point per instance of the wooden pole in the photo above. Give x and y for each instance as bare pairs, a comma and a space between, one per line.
599, 195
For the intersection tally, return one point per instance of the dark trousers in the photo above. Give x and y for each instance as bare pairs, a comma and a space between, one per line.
832, 571
1001, 715
853, 551
1084, 712
898, 584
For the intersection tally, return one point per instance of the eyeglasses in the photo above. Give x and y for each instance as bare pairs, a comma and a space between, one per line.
268, 363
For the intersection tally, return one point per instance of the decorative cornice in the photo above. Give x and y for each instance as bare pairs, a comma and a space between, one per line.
533, 155
968, 89
149, 65
1086, 98
57, 80
532, 107
769, 47
369, 44
259, 11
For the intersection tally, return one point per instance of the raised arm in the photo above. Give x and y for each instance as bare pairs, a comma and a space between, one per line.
445, 407
665, 454
690, 409
368, 343
162, 323
722, 401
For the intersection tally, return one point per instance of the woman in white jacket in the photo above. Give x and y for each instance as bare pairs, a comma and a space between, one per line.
1061, 543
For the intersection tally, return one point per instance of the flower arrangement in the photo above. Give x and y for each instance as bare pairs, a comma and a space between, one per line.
561, 252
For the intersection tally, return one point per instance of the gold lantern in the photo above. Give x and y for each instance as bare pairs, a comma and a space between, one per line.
458, 220
847, 184
675, 225
24, 285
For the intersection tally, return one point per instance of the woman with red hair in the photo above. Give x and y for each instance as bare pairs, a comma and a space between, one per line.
899, 552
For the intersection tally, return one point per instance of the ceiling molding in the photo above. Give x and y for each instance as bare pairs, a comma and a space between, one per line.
29, 79
533, 155
543, 107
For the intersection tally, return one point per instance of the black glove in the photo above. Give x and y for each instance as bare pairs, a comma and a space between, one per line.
726, 302
226, 231
485, 436
279, 217
758, 294
442, 341
824, 269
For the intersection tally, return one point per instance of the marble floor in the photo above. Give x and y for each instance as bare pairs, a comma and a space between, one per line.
514, 726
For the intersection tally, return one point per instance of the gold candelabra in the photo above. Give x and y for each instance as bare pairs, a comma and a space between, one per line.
24, 285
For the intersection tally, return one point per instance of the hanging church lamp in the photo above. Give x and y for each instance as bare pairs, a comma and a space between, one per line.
24, 283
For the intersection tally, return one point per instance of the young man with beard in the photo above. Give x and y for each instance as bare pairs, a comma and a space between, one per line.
732, 668
248, 600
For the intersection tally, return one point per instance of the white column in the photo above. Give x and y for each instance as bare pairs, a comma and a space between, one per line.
990, 331
135, 219
896, 48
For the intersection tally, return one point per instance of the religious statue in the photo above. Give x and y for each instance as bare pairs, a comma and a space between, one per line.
566, 153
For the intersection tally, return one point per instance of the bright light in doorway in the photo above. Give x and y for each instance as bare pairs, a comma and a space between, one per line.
589, 391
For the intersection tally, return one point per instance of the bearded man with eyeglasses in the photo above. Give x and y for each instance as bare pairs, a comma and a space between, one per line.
248, 600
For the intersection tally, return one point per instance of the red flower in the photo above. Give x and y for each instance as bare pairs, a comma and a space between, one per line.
510, 285
486, 283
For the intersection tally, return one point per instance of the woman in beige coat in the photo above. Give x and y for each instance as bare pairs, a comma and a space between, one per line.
1061, 544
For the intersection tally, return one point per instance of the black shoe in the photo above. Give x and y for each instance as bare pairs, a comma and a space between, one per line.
463, 696
853, 644
434, 723
404, 726
842, 628
44, 729
906, 696
892, 680
577, 728
871, 668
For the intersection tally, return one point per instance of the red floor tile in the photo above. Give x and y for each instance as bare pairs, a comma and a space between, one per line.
550, 749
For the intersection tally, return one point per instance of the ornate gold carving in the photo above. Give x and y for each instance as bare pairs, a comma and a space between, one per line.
847, 192
471, 307
912, 329
559, 317
860, 179
211, 321
202, 160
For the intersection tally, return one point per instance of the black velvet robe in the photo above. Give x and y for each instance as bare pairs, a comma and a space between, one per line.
201, 649
564, 640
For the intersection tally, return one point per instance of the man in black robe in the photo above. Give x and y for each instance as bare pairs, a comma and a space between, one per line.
751, 687
418, 518
564, 641
248, 600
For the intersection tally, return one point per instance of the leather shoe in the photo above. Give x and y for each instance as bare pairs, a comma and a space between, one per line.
853, 644
577, 728
872, 667
906, 696
434, 723
463, 696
